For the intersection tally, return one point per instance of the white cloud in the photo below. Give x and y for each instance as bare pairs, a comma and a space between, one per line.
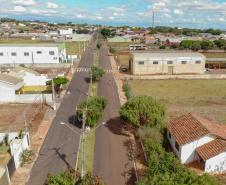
24, 2
115, 14
167, 15
80, 16
158, 7
178, 12
221, 19
114, 9
171, 21
35, 11
99, 17
19, 9
112, 18
51, 5
125, 5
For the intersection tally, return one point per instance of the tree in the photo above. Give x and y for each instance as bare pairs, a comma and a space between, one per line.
82, 31
220, 43
99, 44
97, 104
207, 45
96, 72
72, 177
196, 45
112, 50
21, 31
58, 81
143, 110
152, 32
106, 32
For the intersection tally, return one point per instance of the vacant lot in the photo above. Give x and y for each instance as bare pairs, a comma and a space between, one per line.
124, 60
215, 55
72, 48
206, 98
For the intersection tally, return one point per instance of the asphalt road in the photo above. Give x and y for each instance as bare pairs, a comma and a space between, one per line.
112, 159
60, 146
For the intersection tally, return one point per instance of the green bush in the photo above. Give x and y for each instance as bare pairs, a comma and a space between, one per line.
127, 90
22, 65
162, 47
181, 47
112, 50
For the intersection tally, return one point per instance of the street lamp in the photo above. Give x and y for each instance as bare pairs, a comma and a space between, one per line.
83, 143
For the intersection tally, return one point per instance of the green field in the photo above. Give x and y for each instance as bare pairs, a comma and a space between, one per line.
181, 89
75, 48
215, 55
19, 41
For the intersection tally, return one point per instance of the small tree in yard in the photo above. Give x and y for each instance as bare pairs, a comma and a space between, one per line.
112, 50
58, 81
72, 177
97, 73
143, 110
97, 104
26, 156
162, 47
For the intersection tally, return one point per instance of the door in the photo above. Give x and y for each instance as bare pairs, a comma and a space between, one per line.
170, 70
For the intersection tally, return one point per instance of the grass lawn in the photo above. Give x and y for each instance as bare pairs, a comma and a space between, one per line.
215, 55
4, 150
19, 41
96, 58
75, 50
181, 89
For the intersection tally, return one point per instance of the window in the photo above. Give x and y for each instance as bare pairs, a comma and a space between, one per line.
169, 62
141, 63
169, 135
198, 62
26, 54
177, 146
51, 52
183, 62
39, 52
155, 62
13, 54
1, 54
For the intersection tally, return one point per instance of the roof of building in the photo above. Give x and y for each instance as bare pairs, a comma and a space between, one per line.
174, 40
164, 55
21, 69
212, 148
190, 127
30, 45
10, 79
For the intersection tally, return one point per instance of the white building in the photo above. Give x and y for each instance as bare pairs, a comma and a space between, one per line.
194, 138
32, 53
166, 63
68, 31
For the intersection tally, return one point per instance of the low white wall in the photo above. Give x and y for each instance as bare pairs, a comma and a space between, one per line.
163, 77
29, 98
12, 135
216, 163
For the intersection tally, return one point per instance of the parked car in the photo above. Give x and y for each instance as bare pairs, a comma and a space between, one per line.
124, 69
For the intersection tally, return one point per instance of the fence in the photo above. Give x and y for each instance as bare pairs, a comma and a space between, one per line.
29, 98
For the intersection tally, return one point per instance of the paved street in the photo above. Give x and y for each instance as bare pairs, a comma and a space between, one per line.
61, 143
113, 158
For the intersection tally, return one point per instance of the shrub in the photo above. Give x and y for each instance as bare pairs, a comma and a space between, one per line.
126, 89
22, 65
181, 47
162, 47
112, 50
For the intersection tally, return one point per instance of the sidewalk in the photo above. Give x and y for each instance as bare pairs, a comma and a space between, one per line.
139, 158
22, 174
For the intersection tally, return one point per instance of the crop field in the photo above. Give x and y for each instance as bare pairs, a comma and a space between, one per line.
206, 98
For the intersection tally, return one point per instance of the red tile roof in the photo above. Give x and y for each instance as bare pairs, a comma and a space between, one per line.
212, 148
190, 127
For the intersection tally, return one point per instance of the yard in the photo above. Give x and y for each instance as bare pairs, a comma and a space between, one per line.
75, 46
206, 98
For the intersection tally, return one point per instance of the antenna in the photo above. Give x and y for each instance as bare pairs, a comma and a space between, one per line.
153, 19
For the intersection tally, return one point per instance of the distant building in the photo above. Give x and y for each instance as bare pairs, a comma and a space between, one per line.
32, 53
175, 43
166, 63
68, 31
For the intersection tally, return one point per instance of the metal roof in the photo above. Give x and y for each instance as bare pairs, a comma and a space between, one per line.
30, 45
15, 86
10, 79
164, 55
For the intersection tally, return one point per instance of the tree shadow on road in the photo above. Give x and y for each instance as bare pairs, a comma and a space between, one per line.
73, 120
87, 79
130, 176
116, 126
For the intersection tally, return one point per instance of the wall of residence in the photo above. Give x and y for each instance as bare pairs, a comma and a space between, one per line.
188, 153
31, 79
36, 55
172, 143
6, 94
148, 66
216, 163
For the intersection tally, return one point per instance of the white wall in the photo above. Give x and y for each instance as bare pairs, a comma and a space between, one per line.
216, 163
31, 79
68, 31
12, 135
188, 153
33, 57
30, 98
6, 94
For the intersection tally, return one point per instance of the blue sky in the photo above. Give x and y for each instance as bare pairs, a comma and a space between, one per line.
181, 13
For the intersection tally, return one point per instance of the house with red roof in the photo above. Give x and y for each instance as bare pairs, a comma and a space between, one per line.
194, 138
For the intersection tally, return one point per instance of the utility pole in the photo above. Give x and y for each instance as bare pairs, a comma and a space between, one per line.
53, 92
83, 138
153, 20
